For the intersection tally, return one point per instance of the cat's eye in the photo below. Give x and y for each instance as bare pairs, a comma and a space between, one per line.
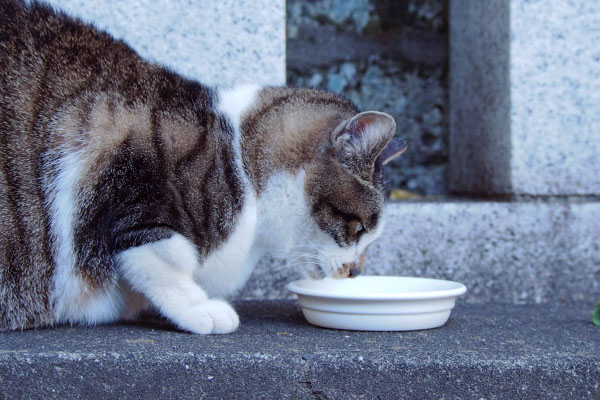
359, 229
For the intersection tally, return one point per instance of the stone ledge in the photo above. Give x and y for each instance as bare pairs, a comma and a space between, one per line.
511, 252
490, 351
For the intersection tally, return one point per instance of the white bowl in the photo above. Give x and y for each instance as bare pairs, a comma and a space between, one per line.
377, 303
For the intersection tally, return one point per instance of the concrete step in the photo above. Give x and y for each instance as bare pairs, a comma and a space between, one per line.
512, 252
489, 351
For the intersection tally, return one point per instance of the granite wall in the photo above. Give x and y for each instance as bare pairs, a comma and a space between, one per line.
388, 55
525, 90
189, 37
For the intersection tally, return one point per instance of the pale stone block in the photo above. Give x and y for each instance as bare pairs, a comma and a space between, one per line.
525, 97
219, 42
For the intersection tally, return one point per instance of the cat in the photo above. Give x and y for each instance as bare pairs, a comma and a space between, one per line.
125, 187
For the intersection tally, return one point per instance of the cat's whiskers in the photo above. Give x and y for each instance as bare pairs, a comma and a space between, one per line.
316, 264
297, 259
293, 257
286, 254
296, 267
308, 243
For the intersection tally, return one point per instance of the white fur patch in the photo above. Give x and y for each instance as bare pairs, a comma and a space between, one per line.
72, 299
170, 261
164, 272
227, 268
283, 211
235, 101
287, 228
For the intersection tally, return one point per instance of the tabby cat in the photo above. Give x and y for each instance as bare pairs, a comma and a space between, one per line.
125, 187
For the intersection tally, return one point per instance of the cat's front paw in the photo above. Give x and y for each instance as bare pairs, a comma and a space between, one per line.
211, 316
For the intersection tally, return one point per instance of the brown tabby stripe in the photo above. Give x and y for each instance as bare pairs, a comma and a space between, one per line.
284, 96
157, 142
149, 207
263, 125
27, 241
55, 69
36, 128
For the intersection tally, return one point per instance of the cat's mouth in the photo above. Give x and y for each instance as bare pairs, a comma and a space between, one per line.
315, 271
347, 270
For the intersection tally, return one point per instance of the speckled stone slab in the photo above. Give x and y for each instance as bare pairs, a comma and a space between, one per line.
511, 252
524, 97
219, 42
489, 351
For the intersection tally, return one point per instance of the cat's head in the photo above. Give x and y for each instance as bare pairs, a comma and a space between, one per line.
344, 193
317, 165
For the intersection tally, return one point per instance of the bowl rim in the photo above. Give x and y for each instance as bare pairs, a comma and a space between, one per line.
456, 291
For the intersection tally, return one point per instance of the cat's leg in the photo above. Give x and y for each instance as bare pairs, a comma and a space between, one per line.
163, 272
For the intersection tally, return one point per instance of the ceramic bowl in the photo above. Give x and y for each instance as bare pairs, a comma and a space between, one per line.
377, 303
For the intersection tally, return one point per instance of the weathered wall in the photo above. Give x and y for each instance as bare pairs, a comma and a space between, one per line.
388, 55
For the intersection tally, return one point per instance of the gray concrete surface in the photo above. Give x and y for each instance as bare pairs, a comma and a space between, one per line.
524, 95
219, 42
489, 351
511, 252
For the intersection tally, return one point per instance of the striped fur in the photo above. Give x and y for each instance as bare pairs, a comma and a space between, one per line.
125, 187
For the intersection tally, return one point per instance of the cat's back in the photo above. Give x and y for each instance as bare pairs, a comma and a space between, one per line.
46, 54
82, 119
51, 68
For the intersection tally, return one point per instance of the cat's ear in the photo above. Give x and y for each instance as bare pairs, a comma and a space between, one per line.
395, 147
359, 141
